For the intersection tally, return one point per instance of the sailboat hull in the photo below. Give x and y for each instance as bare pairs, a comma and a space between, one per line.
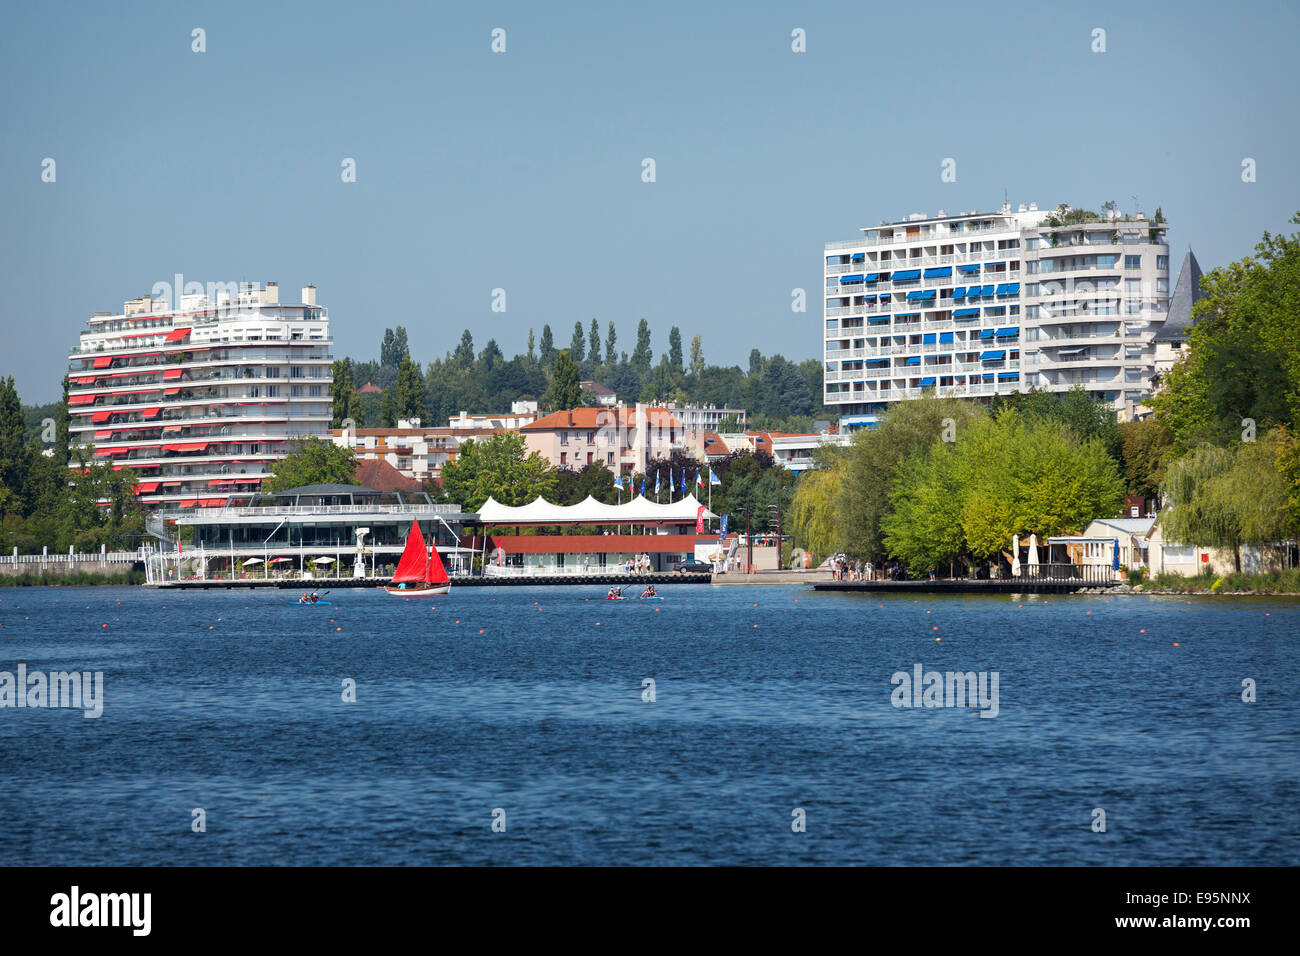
419, 591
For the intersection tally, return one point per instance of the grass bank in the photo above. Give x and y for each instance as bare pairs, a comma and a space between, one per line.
1275, 582
75, 579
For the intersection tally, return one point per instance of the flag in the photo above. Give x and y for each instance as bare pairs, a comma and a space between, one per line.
722, 528
618, 480
683, 481
699, 520
699, 479
714, 479
643, 484
656, 484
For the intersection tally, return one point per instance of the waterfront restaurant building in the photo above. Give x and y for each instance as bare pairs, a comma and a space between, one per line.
321, 531
202, 395
663, 534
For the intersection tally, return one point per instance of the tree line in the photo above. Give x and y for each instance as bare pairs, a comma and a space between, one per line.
777, 394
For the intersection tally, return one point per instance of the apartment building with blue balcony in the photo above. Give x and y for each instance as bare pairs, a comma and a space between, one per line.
981, 304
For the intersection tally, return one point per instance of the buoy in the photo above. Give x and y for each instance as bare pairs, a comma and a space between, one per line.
934, 628
480, 630
338, 628
103, 625
1087, 612
1176, 644
1143, 631
938, 638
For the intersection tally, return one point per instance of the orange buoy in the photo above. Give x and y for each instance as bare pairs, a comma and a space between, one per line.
1176, 644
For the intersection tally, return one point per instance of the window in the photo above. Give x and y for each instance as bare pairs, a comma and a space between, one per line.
273, 372
609, 458
1162, 263
1132, 285
1162, 285
564, 458
1132, 262
273, 391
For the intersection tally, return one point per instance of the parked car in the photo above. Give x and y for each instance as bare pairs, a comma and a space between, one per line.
691, 564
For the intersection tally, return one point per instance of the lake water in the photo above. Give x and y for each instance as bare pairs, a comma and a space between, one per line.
530, 701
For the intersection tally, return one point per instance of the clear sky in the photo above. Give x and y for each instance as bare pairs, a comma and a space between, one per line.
523, 170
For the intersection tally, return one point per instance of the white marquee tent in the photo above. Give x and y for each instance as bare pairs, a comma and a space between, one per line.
640, 510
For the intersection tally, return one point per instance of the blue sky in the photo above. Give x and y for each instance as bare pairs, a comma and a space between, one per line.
522, 170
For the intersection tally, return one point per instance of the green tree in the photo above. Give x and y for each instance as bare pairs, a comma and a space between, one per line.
409, 399
565, 391
548, 346
1145, 448
343, 395
814, 519
641, 355
610, 338
463, 357
62, 422
388, 407
675, 350
874, 458
1227, 497
593, 343
697, 359
578, 345
388, 354
532, 349
314, 461
498, 468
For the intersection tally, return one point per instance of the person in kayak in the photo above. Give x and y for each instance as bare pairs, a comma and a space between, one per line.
612, 595
649, 592
314, 597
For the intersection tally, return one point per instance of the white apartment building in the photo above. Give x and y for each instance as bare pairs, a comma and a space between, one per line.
200, 396
981, 304
704, 418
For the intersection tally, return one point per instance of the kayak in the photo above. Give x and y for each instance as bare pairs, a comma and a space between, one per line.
656, 597
309, 603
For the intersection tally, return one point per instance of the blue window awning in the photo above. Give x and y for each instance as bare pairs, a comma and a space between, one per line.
873, 276
945, 336
1002, 376
908, 315
927, 381
874, 319
938, 272
959, 292
973, 267
987, 290
929, 338
927, 294
857, 256
986, 333
973, 292
914, 360
1007, 333
844, 280
907, 275
965, 313
988, 376
993, 355
1009, 288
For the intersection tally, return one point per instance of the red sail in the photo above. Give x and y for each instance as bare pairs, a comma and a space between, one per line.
414, 558
435, 573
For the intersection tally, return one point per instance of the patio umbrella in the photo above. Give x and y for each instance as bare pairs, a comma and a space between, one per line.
1015, 555
252, 561
322, 560
1033, 554
1114, 558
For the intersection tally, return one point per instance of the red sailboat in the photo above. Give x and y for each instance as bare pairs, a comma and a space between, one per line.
420, 570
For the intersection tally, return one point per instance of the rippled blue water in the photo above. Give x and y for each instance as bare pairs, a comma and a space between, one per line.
516, 698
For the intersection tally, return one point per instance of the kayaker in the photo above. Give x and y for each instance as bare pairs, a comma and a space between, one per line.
611, 596
314, 597
304, 599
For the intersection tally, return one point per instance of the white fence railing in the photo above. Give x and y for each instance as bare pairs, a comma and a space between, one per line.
93, 557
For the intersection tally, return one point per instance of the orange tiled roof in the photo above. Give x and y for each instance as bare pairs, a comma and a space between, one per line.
596, 417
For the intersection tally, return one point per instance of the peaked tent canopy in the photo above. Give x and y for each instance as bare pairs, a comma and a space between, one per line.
640, 510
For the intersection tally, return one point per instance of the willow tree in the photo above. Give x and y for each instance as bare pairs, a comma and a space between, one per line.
813, 515
1227, 497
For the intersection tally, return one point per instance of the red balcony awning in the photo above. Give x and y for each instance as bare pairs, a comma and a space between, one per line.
100, 416
169, 392
104, 361
172, 374
82, 380
189, 503
187, 446
221, 481
250, 481
175, 335
150, 412
81, 400
211, 502
146, 487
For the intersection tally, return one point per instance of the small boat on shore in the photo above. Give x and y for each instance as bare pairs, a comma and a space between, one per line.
420, 571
